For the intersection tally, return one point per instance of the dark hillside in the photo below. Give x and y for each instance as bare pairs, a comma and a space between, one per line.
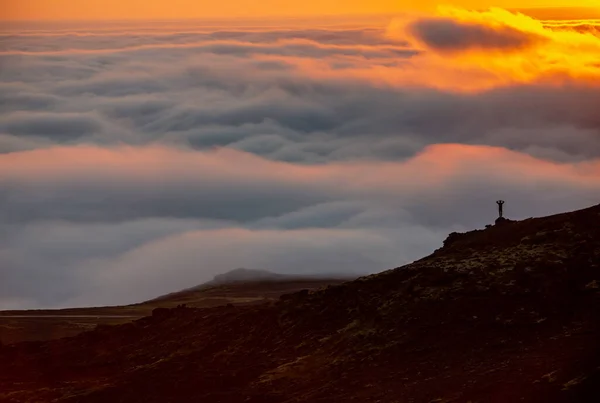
506, 314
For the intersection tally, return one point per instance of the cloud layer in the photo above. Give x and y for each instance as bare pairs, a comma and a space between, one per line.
137, 160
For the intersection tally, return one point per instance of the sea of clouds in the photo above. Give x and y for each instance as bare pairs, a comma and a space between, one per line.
137, 159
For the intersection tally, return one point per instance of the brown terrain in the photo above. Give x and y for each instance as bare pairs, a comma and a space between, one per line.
256, 287
506, 314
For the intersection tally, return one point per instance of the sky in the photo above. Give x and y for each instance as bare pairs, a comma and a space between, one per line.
161, 9
142, 157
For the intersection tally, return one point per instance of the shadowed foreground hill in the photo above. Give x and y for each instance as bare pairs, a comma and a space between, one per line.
506, 314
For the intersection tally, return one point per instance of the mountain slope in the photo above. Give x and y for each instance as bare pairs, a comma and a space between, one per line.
510, 313
241, 286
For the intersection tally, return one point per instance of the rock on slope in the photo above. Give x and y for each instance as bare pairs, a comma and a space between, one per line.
506, 314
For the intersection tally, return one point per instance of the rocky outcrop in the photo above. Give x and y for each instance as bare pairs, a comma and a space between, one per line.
503, 221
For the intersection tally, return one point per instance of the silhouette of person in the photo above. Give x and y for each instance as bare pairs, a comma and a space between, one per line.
500, 204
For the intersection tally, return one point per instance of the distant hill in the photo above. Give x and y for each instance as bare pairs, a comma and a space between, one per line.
245, 275
236, 287
244, 286
510, 313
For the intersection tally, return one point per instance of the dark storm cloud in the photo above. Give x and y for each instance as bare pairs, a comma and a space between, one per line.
448, 35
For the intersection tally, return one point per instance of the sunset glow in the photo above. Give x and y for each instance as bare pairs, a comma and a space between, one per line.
174, 9
504, 47
275, 201
130, 127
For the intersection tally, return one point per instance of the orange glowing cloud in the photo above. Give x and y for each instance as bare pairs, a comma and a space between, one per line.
501, 47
